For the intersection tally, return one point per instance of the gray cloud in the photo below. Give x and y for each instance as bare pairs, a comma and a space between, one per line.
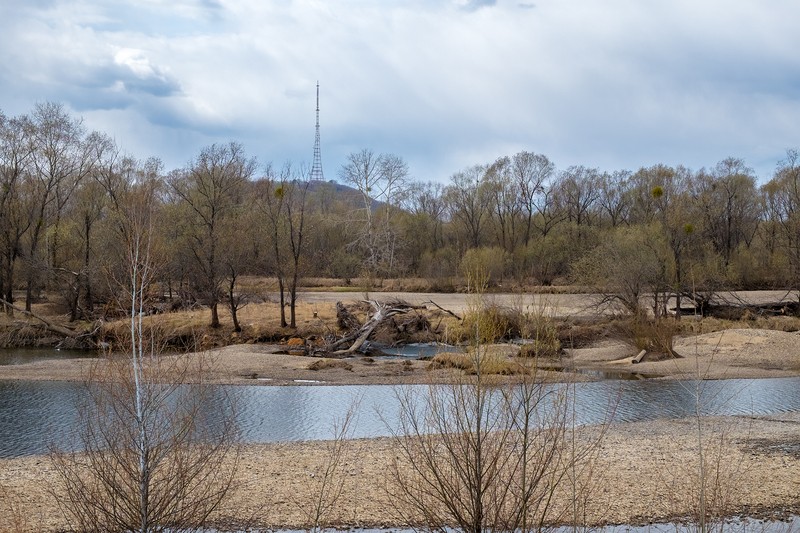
445, 84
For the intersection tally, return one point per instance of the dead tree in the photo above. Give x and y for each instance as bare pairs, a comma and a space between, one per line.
382, 312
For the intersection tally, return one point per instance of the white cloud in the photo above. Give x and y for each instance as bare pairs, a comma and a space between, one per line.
444, 83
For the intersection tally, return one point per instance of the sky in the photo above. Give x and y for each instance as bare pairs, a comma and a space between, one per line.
444, 84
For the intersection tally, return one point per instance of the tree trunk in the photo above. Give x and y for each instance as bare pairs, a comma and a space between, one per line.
29, 293
282, 297
214, 315
293, 300
234, 304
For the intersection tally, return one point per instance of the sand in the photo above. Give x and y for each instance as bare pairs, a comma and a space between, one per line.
646, 471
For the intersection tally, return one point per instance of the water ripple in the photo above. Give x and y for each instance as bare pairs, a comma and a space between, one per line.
35, 415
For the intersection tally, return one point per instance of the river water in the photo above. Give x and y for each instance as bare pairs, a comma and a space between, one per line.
37, 414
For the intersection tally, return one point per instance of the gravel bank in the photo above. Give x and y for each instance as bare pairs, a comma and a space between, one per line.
645, 472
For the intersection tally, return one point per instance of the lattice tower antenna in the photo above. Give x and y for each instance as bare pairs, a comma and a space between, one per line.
316, 167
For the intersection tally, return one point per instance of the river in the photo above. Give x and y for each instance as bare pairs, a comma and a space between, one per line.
37, 414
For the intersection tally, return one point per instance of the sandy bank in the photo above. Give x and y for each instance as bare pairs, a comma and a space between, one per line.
734, 353
644, 472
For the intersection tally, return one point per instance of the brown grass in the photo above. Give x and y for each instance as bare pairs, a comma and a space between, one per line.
324, 364
490, 363
189, 330
13, 513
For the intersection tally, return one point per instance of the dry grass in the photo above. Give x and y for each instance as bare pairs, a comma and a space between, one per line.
189, 329
458, 361
490, 363
324, 364
14, 517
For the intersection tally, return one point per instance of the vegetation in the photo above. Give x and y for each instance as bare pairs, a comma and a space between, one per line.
147, 462
219, 219
481, 455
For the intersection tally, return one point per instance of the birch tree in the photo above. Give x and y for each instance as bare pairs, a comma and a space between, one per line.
381, 180
148, 464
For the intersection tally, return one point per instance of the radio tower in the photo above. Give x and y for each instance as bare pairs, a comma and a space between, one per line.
316, 167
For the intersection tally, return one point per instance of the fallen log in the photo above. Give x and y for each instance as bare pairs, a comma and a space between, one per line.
50, 326
81, 336
358, 338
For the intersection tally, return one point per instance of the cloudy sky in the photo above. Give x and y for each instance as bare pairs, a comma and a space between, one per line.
614, 84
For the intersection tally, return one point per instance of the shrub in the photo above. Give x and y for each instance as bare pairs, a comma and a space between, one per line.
492, 323
652, 335
322, 364
490, 364
488, 263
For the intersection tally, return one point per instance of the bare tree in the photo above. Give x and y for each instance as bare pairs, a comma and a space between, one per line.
578, 194
149, 463
615, 197
782, 195
15, 155
468, 202
426, 201
728, 201
506, 202
531, 172
624, 268
61, 158
480, 456
211, 188
381, 181
283, 199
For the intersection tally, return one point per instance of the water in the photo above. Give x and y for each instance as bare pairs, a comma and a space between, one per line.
35, 415
21, 356
741, 524
418, 349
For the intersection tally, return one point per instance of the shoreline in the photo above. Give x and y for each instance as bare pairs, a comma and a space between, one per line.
638, 460
644, 476
731, 353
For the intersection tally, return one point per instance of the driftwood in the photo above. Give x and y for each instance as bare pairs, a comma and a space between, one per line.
439, 307
360, 336
345, 319
638, 358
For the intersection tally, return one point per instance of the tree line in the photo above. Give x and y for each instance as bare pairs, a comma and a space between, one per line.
64, 189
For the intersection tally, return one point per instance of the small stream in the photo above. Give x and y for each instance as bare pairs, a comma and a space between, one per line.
21, 356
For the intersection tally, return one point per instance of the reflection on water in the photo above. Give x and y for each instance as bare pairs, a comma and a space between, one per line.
417, 350
20, 356
35, 414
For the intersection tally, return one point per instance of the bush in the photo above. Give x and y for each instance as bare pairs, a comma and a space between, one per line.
654, 336
490, 364
493, 323
484, 266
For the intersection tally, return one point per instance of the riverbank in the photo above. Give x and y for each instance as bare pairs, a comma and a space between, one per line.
643, 472
733, 353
